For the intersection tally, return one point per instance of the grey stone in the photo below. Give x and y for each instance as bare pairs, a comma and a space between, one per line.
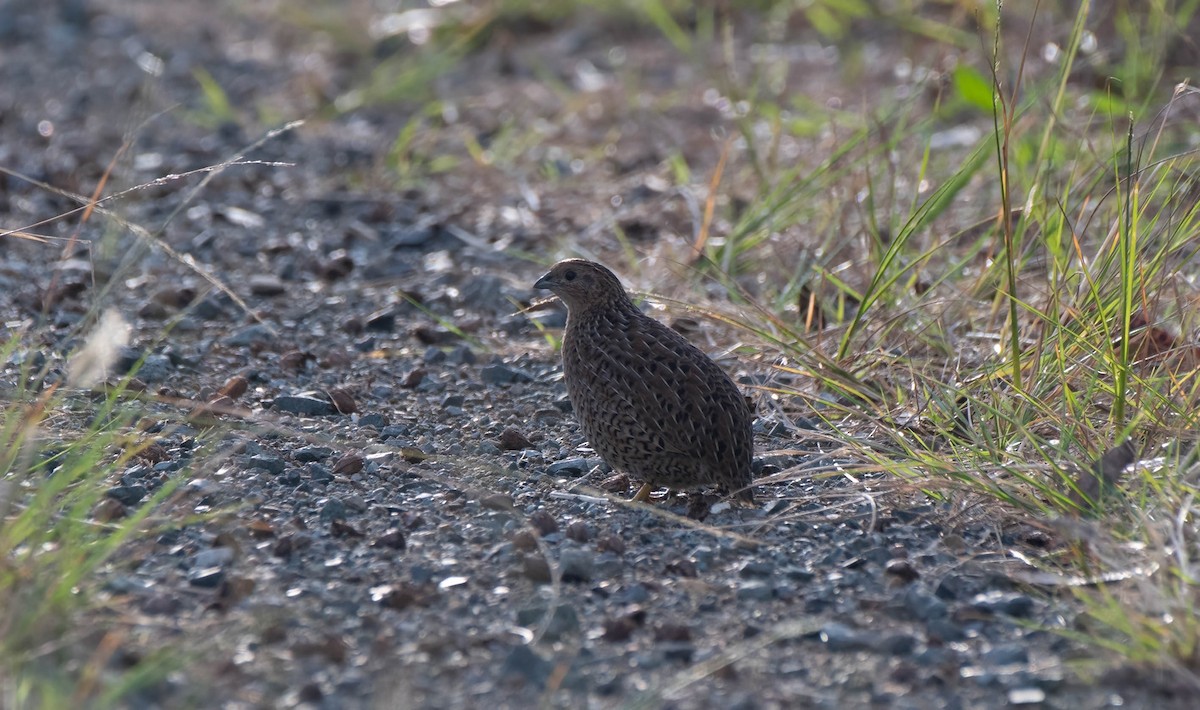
270, 464
898, 644
501, 374
304, 405
1007, 655
374, 420
333, 509
755, 590
462, 354
564, 620
394, 431
945, 629
309, 454
155, 368
575, 466
382, 321
127, 495
206, 577
703, 556
576, 565
250, 335
757, 568
212, 557
524, 663
839, 637
924, 605
1018, 605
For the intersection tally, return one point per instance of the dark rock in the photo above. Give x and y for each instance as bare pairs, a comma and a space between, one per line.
393, 539
501, 374
901, 570
839, 637
1007, 655
374, 420
611, 543
945, 630
270, 464
382, 321
564, 621
461, 354
319, 474
755, 590
576, 565
898, 644
703, 556
543, 522
952, 587
304, 405
579, 532
409, 237
206, 577
333, 509
513, 440
497, 501
522, 662
756, 568
309, 454
619, 629
1009, 604
256, 334
394, 431
212, 557
536, 568
155, 368
310, 693
127, 495
923, 605
576, 466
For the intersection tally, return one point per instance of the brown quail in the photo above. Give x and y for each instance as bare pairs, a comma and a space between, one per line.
651, 404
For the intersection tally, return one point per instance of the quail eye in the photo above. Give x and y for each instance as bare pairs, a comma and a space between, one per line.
570, 275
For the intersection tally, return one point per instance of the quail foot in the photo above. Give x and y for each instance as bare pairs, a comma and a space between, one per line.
651, 404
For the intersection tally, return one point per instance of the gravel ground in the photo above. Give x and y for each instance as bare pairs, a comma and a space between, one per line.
404, 514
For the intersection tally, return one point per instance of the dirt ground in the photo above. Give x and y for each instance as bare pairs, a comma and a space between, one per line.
401, 514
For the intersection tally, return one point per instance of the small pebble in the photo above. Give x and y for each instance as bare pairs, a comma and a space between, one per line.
576, 565
543, 522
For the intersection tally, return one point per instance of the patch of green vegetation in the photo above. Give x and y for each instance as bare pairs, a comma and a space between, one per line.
216, 109
64, 642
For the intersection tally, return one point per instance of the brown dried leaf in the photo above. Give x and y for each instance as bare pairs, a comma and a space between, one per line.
234, 387
342, 401
260, 528
349, 464
295, 360
412, 454
232, 591
393, 539
339, 528
513, 440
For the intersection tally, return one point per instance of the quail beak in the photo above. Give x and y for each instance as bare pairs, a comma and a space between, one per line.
545, 283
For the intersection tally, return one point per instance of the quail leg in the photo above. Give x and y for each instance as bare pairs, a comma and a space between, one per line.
643, 493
